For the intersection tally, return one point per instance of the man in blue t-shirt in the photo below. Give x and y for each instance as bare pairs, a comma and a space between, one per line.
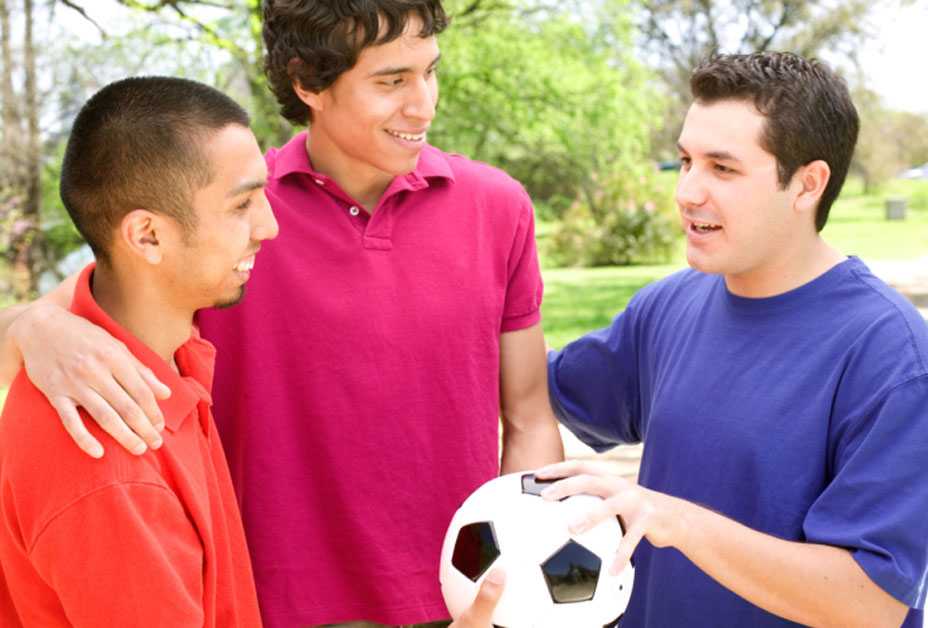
779, 388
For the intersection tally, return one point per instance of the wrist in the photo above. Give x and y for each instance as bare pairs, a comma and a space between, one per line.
681, 523
27, 319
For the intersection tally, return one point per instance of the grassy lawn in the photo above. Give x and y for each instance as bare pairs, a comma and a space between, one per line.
578, 300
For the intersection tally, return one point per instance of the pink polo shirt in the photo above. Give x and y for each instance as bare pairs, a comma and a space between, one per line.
357, 385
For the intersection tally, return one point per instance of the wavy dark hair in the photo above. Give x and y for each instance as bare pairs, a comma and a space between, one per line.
315, 41
809, 111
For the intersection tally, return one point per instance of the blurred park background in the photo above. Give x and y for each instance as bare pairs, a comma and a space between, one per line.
581, 100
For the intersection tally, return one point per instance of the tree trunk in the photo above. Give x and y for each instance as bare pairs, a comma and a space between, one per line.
27, 262
12, 126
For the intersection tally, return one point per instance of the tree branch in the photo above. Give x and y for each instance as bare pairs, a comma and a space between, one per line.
83, 13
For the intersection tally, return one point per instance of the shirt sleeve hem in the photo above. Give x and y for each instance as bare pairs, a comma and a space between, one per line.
899, 587
521, 321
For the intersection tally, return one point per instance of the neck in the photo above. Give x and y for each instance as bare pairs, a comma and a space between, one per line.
360, 181
794, 268
140, 308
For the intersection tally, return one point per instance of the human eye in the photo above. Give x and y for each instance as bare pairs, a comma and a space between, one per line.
685, 162
722, 169
244, 205
392, 82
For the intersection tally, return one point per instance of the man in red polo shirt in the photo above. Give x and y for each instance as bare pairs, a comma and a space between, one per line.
166, 182
359, 387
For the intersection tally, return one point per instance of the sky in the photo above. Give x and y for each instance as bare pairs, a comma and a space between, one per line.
896, 60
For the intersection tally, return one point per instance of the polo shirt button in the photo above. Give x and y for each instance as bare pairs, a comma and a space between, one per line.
319, 181
354, 211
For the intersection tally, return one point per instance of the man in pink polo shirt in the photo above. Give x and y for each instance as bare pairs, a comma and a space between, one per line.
358, 390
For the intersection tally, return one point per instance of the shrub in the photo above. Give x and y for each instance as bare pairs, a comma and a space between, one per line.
624, 220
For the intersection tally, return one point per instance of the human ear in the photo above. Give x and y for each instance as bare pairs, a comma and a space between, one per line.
811, 180
142, 233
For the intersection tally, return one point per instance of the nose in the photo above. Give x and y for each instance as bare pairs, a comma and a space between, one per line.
691, 192
265, 225
422, 99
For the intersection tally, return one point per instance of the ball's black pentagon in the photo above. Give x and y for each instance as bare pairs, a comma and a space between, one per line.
615, 623
533, 486
572, 573
475, 549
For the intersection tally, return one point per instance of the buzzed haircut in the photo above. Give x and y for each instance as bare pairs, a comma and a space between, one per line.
313, 42
139, 143
808, 109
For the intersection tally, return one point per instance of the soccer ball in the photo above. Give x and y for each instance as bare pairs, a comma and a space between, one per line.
553, 579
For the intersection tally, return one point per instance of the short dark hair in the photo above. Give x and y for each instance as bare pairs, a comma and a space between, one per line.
138, 143
315, 41
808, 108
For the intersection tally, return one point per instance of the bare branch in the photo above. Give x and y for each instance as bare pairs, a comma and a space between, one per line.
83, 13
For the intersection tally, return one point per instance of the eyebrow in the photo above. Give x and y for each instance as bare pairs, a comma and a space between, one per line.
719, 155
401, 70
248, 186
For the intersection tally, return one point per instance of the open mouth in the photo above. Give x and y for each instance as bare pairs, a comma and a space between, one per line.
245, 265
704, 227
409, 137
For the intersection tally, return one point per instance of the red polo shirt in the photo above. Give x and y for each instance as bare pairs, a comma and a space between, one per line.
357, 385
155, 540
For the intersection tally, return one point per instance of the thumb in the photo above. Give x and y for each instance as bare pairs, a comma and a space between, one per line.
480, 613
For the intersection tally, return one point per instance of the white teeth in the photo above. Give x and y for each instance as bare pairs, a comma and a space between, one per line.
408, 137
245, 266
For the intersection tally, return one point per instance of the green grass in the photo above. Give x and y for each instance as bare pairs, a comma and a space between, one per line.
578, 300
857, 224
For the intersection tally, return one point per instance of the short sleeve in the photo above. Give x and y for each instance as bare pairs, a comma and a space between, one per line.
877, 503
593, 385
524, 288
124, 555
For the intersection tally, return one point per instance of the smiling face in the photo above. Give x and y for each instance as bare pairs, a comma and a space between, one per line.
373, 119
739, 221
210, 266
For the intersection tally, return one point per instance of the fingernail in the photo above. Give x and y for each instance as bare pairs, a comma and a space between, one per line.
497, 576
157, 444
548, 494
140, 449
96, 451
159, 426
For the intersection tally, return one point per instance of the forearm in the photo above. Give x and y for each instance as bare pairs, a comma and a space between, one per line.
531, 443
10, 358
530, 435
812, 584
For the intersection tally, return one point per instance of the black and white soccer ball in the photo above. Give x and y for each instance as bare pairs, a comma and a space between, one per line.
553, 579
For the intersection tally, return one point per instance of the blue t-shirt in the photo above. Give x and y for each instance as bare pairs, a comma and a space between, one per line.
804, 416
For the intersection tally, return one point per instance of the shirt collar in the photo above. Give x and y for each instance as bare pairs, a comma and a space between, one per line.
195, 358
293, 158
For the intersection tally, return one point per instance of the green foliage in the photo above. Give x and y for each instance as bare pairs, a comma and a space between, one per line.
551, 95
625, 220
